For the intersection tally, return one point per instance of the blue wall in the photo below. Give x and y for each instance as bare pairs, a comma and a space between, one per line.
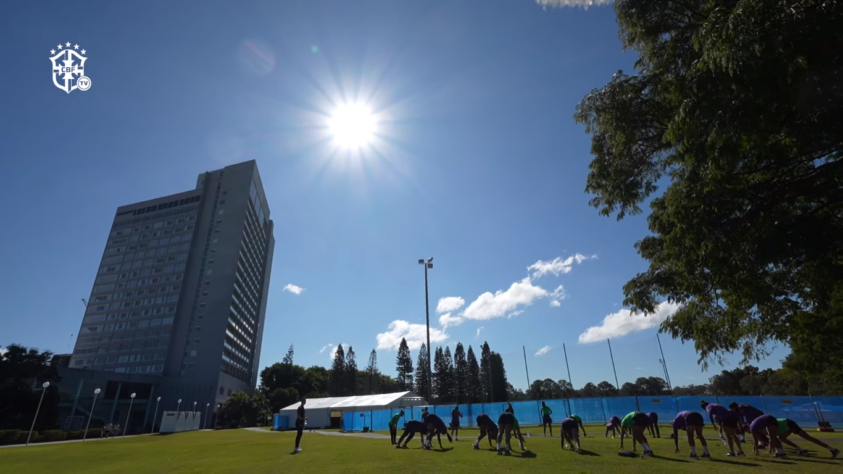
804, 410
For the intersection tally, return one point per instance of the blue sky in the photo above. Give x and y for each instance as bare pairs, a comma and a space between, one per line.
476, 162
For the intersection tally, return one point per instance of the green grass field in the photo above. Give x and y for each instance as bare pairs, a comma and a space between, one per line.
243, 451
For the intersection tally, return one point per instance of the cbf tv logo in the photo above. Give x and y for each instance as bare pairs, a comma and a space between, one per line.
69, 68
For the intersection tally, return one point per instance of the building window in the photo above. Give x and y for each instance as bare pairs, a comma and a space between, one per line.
222, 390
193, 353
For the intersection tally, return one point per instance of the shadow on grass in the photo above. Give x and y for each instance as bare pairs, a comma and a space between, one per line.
670, 459
734, 463
830, 461
529, 455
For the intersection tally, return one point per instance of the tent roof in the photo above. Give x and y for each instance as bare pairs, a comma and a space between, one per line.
383, 400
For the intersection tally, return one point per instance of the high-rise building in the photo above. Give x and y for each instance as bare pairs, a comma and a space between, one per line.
182, 288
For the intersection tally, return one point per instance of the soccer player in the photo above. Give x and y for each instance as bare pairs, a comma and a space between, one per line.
455, 422
579, 424
487, 427
653, 428
746, 414
571, 433
505, 425
300, 419
393, 425
546, 421
727, 422
693, 423
787, 427
413, 427
613, 424
435, 426
759, 428
636, 422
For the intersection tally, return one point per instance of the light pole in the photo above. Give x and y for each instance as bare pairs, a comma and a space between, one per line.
155, 416
43, 391
91, 414
194, 408
178, 407
427, 264
132, 397
205, 420
217, 411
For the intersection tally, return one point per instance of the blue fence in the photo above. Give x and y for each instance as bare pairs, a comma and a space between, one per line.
804, 410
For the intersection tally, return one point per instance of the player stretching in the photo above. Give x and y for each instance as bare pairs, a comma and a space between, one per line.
653, 428
613, 424
786, 427
636, 422
727, 422
487, 427
413, 427
693, 423
393, 425
505, 425
746, 415
455, 422
579, 424
759, 428
571, 433
546, 421
435, 426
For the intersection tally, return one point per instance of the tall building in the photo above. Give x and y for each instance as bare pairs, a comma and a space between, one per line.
180, 294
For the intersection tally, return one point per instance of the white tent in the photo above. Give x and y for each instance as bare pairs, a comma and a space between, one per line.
320, 411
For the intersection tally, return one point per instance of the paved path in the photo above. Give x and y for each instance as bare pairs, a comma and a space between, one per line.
330, 433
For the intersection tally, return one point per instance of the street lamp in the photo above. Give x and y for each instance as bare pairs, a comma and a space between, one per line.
178, 407
43, 391
428, 264
154, 417
205, 420
96, 392
194, 409
132, 396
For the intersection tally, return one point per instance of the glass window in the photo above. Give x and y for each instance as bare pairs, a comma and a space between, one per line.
143, 324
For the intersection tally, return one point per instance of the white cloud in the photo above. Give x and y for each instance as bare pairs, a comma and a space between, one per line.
416, 334
449, 304
3, 349
326, 347
544, 350
572, 3
447, 320
555, 304
559, 293
478, 332
623, 322
488, 305
514, 314
296, 290
557, 266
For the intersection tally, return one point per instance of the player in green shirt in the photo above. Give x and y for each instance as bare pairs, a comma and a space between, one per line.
636, 422
579, 422
393, 425
546, 420
787, 427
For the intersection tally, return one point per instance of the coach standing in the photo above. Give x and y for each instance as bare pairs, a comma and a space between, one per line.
300, 420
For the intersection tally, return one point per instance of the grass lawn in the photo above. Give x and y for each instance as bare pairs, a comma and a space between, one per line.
242, 451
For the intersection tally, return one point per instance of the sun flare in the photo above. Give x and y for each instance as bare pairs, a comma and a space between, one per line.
353, 126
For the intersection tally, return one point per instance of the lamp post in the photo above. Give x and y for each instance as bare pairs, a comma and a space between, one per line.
427, 264
155, 416
43, 391
178, 407
91, 414
217, 411
205, 420
194, 408
132, 397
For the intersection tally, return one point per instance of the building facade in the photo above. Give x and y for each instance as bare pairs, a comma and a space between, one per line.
181, 291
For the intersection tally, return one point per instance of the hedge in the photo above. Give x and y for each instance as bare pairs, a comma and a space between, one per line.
52, 435
10, 437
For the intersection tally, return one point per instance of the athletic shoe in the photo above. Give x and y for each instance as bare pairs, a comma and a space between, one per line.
693, 456
802, 452
835, 452
507, 453
476, 447
500, 453
741, 454
731, 455
706, 456
397, 446
651, 453
297, 450
781, 455
404, 447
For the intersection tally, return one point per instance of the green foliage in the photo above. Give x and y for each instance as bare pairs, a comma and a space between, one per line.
337, 382
372, 374
404, 367
460, 375
736, 106
21, 369
241, 410
53, 435
475, 385
422, 381
70, 435
93, 433
351, 372
282, 398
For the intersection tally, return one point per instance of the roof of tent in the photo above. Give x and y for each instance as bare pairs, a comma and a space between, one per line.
383, 400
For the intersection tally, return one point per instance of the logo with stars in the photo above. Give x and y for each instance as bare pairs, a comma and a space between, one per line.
69, 68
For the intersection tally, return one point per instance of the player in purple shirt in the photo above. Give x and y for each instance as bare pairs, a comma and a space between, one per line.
654, 425
746, 413
613, 424
759, 428
727, 422
693, 423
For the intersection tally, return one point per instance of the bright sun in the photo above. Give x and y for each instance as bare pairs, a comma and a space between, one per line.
353, 126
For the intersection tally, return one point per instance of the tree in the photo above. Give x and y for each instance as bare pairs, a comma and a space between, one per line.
350, 372
736, 105
281, 375
288, 358
372, 373
606, 389
485, 372
440, 377
22, 372
282, 398
241, 410
337, 384
448, 389
651, 386
404, 367
475, 385
629, 389
589, 390
422, 379
461, 388
514, 394
499, 381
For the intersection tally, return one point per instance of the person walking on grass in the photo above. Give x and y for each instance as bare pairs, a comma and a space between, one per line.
693, 423
393, 426
547, 422
455, 422
301, 419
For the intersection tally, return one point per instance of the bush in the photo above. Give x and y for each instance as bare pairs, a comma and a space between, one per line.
10, 437
94, 432
52, 435
74, 435
22, 435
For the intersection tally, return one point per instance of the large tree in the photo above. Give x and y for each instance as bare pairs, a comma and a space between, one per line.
22, 372
404, 367
372, 373
485, 372
736, 107
288, 358
350, 372
337, 383
499, 380
422, 379
440, 376
460, 376
475, 385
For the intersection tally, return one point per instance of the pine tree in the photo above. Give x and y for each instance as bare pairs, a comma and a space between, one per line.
350, 372
337, 381
485, 373
422, 381
499, 381
440, 376
448, 369
460, 376
288, 359
372, 372
404, 367
475, 385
